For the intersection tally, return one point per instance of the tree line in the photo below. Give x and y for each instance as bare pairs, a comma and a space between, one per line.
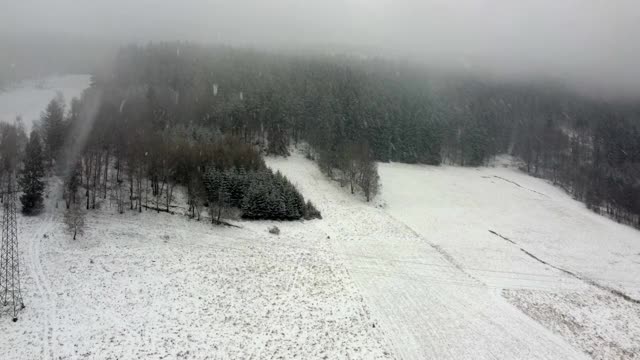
352, 112
126, 157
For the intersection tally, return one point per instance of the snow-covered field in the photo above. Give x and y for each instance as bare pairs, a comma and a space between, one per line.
453, 258
484, 263
416, 275
428, 304
448, 263
573, 271
160, 286
29, 98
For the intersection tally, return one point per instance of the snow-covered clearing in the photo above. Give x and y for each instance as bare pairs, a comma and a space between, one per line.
428, 305
29, 98
161, 286
574, 271
444, 286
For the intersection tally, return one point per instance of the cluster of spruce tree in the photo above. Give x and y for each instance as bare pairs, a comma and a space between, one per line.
259, 194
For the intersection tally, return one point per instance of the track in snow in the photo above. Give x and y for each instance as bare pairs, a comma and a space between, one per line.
428, 306
43, 286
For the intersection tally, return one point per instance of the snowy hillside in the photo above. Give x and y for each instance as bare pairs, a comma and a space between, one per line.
552, 281
575, 272
416, 275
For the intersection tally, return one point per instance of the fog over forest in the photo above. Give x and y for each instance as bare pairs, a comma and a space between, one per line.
589, 44
334, 179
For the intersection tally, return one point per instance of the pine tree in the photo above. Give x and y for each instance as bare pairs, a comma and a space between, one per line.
234, 188
223, 196
254, 205
310, 211
53, 126
31, 182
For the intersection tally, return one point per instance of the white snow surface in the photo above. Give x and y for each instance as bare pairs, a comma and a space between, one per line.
584, 284
444, 287
29, 98
417, 274
161, 286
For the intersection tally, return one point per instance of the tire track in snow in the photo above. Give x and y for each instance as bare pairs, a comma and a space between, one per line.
587, 280
591, 282
42, 285
450, 259
394, 273
516, 184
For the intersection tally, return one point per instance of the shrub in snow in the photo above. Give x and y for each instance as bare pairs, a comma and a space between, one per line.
310, 212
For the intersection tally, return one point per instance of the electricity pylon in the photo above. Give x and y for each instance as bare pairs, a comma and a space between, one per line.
10, 294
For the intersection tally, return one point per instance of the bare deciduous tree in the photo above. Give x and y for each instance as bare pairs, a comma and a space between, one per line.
74, 220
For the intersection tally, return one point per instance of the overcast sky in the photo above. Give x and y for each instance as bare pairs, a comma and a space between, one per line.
591, 42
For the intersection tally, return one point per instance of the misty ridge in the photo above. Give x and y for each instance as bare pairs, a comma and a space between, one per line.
588, 45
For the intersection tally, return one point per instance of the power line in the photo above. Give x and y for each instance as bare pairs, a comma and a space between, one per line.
10, 292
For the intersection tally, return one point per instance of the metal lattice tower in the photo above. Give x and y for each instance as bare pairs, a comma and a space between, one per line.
10, 294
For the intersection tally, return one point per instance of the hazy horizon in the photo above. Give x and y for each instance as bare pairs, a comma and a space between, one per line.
587, 44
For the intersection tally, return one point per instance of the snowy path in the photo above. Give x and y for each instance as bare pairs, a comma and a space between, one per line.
42, 285
429, 305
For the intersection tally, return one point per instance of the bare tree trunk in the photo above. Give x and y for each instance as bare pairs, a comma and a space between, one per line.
131, 176
139, 190
118, 169
159, 194
96, 180
106, 172
88, 172
146, 193
170, 188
